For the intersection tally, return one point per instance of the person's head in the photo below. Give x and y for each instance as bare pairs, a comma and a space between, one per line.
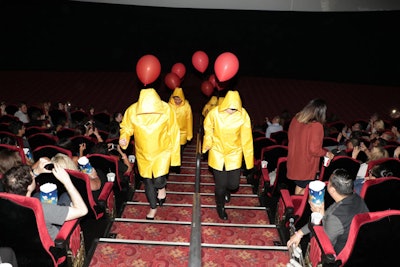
23, 107
17, 128
64, 161
378, 171
340, 183
19, 180
100, 148
388, 136
356, 127
8, 159
117, 117
352, 142
177, 100
379, 125
315, 110
276, 119
378, 152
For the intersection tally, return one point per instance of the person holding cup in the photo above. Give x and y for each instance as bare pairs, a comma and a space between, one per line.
337, 218
306, 134
20, 180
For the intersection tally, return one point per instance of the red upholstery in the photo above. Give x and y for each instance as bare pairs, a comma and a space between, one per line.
373, 241
41, 139
24, 230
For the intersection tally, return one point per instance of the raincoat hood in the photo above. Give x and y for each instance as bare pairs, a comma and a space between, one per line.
179, 93
149, 102
220, 100
232, 100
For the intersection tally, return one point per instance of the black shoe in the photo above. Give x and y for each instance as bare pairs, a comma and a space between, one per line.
161, 201
227, 197
150, 218
222, 213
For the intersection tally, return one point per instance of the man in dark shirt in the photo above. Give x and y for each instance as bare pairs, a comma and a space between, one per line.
337, 218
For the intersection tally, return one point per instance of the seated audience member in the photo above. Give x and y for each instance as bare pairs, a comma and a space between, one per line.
18, 128
376, 152
273, 126
22, 113
337, 218
20, 180
96, 183
8, 159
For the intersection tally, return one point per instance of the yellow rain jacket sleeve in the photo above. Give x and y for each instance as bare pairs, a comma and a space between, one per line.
212, 103
228, 137
153, 124
184, 115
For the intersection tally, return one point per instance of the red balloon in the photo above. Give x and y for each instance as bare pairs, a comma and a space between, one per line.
207, 88
179, 69
172, 80
200, 61
212, 80
226, 66
148, 68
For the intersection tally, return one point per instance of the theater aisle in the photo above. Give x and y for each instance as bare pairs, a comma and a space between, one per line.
246, 239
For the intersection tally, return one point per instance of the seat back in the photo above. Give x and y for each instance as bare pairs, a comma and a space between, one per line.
49, 151
348, 163
382, 193
259, 143
41, 139
15, 148
106, 163
330, 142
34, 130
373, 241
65, 133
391, 164
281, 180
24, 229
281, 137
272, 153
80, 139
15, 140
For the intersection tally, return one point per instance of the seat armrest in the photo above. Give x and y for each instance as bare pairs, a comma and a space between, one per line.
105, 192
321, 249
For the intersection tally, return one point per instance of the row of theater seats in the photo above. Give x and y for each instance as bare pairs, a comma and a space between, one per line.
378, 228
21, 218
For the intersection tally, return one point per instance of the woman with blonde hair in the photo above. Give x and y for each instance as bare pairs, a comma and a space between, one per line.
305, 134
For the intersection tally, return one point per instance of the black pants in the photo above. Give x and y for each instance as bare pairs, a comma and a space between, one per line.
224, 181
151, 186
7, 255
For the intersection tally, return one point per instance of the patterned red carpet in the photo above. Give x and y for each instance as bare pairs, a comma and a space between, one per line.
245, 239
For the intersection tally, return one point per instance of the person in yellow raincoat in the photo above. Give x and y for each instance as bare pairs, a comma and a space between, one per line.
212, 103
227, 138
153, 124
184, 117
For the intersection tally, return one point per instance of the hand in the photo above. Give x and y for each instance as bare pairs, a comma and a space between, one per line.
82, 147
317, 208
41, 166
356, 151
61, 175
123, 142
330, 155
295, 239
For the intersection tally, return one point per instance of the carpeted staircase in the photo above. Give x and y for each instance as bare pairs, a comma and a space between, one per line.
246, 239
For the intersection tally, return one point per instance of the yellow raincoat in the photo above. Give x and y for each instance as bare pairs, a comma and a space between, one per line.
212, 103
153, 124
228, 137
184, 115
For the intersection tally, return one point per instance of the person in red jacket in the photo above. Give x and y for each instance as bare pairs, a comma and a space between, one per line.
306, 133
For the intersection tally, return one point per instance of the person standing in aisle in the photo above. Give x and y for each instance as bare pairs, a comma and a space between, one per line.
153, 124
184, 117
227, 138
306, 134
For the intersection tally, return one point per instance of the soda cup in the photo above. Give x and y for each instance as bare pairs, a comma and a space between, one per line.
84, 165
